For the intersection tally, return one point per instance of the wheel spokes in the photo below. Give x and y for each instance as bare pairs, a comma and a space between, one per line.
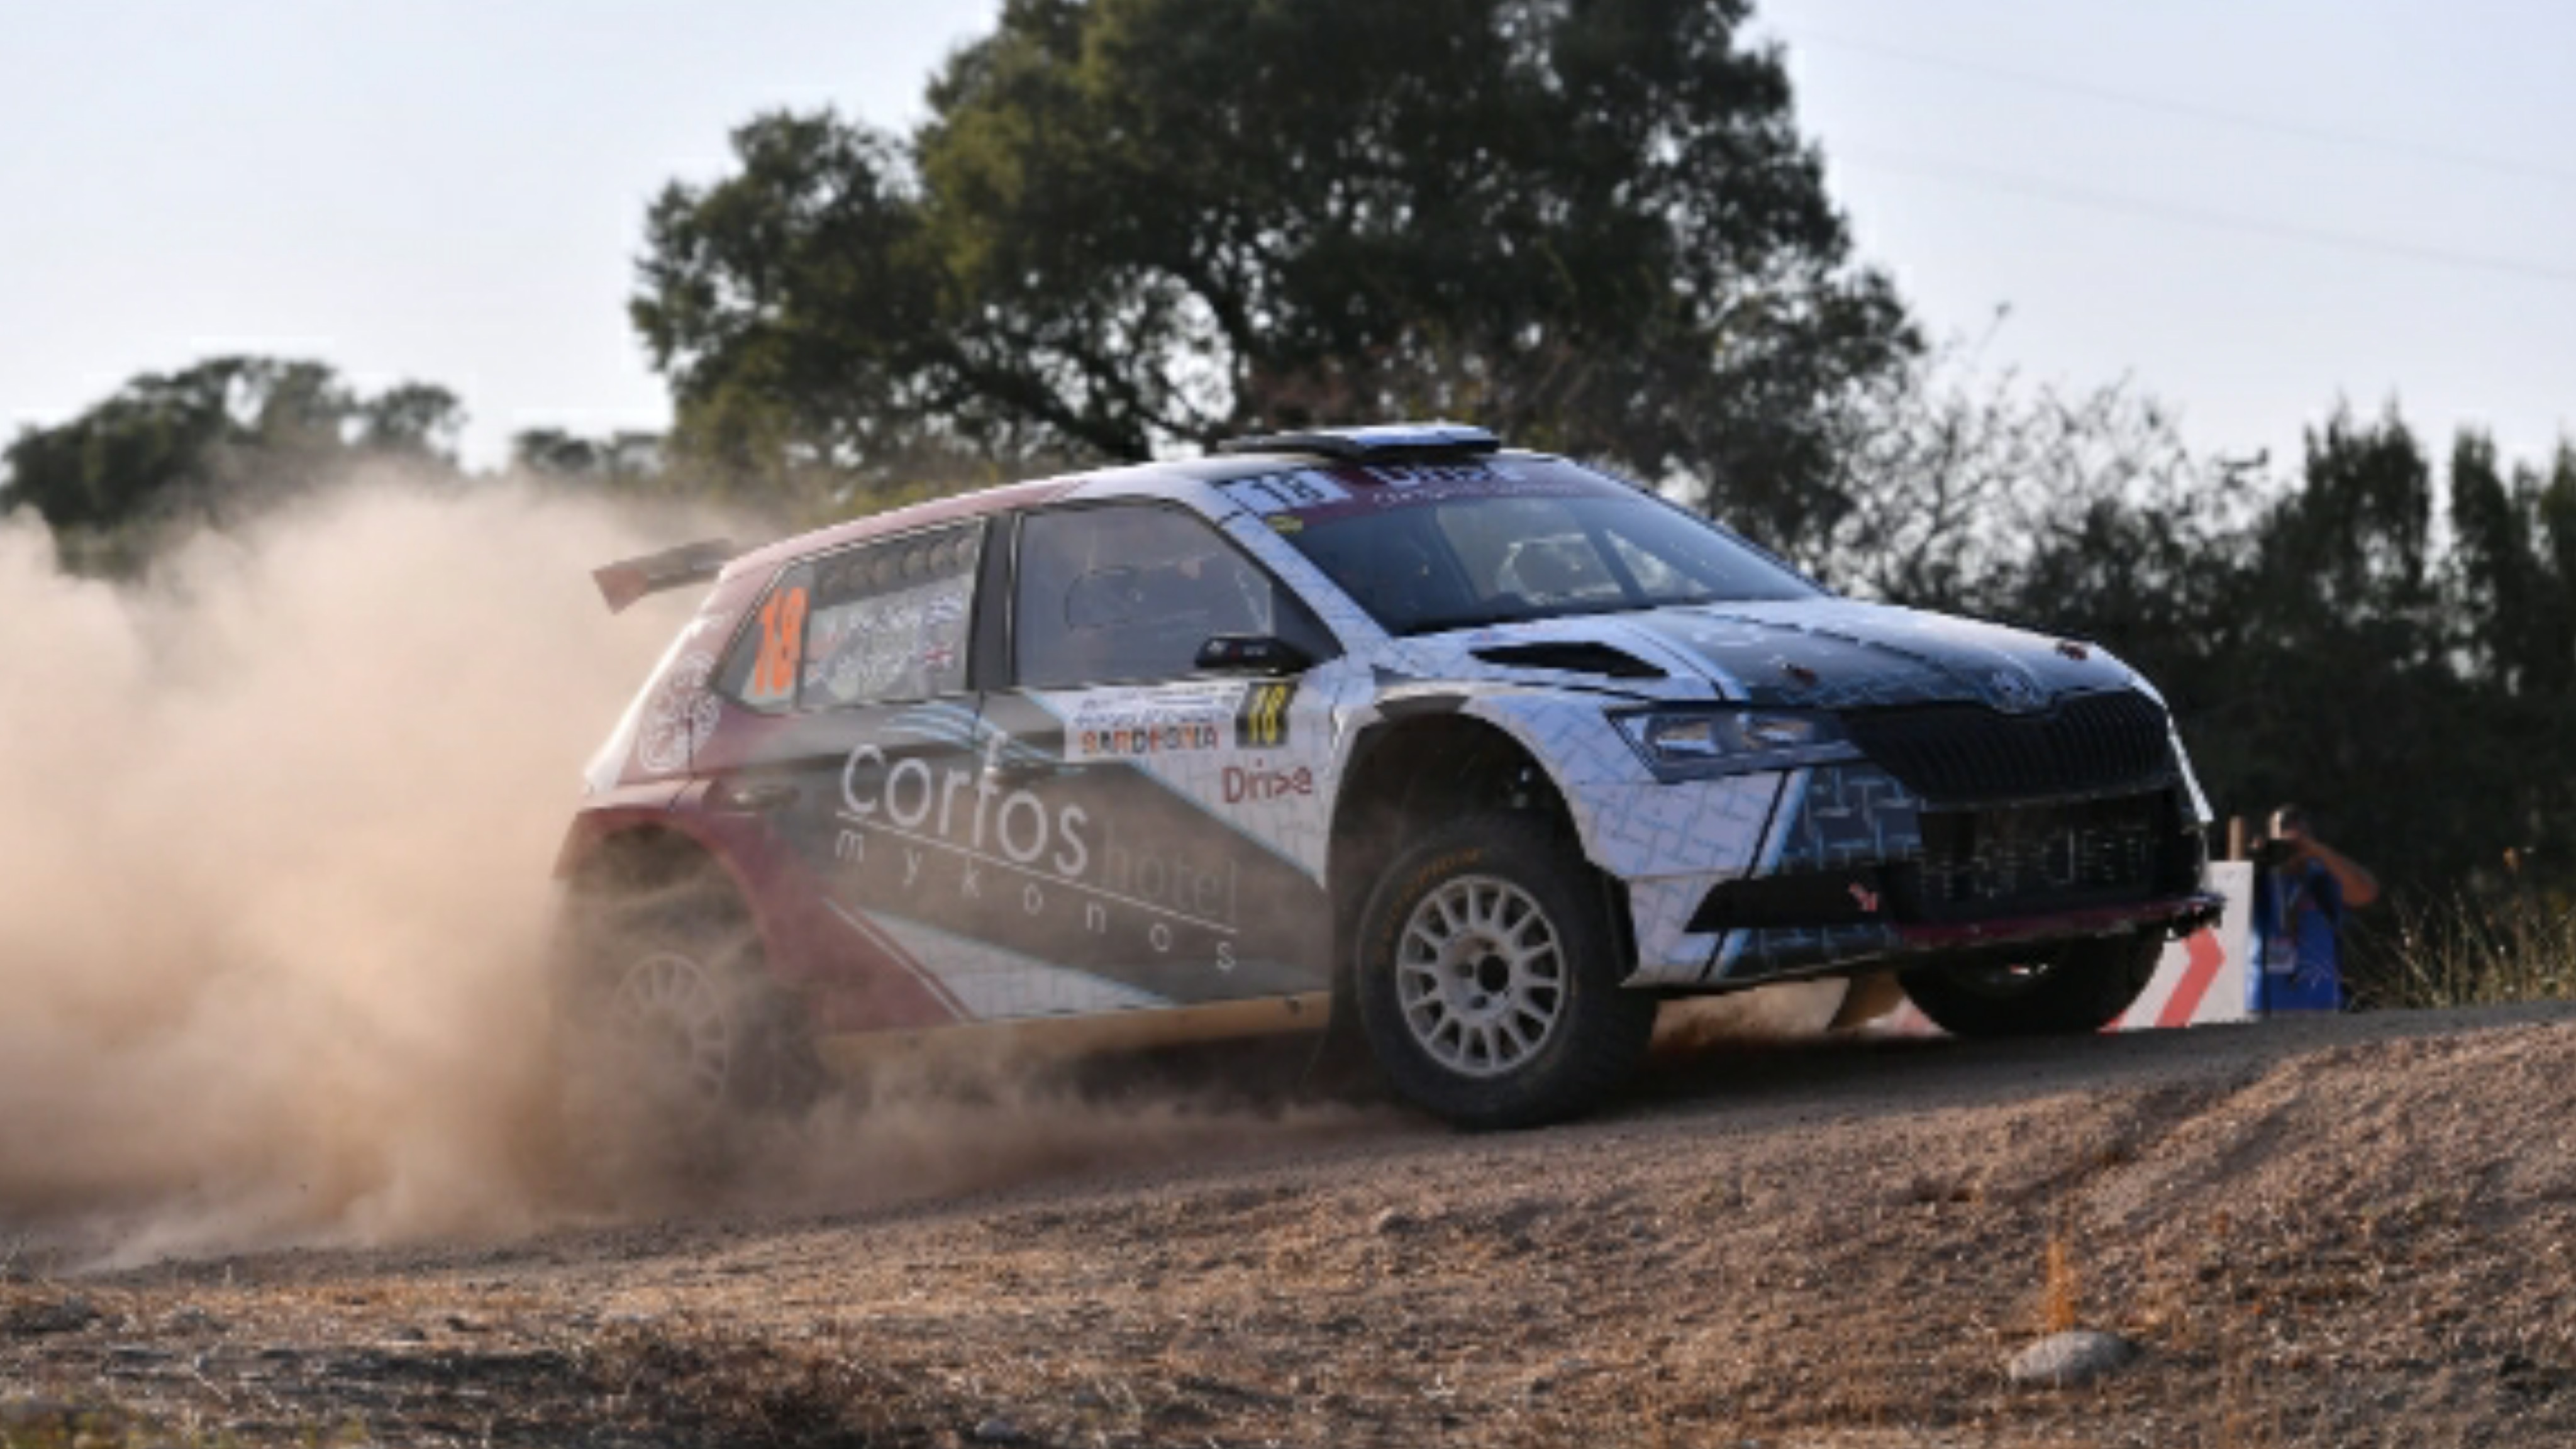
669, 1016
1480, 981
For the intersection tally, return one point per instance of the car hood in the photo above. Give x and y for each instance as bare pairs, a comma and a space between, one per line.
1842, 654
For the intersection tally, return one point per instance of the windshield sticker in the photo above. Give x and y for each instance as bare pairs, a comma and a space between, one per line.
1291, 501
1285, 492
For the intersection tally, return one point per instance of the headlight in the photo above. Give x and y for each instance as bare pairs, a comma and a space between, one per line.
1679, 743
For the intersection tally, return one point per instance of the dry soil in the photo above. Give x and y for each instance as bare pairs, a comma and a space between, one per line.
2343, 1231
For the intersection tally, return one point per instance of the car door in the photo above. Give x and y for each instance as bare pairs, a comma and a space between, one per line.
1188, 822
843, 802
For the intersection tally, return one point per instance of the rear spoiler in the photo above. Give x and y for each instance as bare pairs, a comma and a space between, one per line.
624, 582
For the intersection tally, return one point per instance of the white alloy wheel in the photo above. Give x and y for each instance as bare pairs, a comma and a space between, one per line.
1480, 976
671, 1014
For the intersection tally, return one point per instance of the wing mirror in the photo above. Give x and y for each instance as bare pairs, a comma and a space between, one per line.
1252, 654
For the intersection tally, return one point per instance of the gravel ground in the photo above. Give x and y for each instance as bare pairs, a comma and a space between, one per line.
2345, 1231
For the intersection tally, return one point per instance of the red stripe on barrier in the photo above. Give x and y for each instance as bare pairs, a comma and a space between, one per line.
2205, 959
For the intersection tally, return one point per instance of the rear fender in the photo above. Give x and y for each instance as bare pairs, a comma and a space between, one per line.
673, 713
848, 982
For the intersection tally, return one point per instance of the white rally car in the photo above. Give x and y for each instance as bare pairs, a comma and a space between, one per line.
1482, 751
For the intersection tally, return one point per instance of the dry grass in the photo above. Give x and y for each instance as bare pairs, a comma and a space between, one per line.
2475, 951
2061, 1301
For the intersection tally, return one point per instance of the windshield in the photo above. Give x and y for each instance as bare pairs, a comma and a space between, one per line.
1452, 547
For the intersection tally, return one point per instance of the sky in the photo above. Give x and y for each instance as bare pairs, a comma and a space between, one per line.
2249, 209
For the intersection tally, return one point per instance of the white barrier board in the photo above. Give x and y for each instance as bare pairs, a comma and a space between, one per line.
2202, 977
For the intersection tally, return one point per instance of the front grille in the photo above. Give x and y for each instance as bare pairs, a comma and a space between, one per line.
1967, 754
1993, 863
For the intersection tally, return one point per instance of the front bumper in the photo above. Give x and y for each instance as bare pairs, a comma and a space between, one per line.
1853, 871
1744, 957
2176, 918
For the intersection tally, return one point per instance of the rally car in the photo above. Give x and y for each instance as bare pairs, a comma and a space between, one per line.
1475, 754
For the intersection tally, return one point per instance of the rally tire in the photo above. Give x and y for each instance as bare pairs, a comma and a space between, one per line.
665, 997
1487, 977
2066, 990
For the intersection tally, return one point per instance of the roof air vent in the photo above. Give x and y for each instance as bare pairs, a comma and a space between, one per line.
1388, 442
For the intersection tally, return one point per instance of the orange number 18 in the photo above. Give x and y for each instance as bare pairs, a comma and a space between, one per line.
782, 638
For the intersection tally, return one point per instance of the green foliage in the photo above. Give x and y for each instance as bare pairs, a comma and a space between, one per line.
626, 459
2325, 640
794, 307
1129, 225
220, 433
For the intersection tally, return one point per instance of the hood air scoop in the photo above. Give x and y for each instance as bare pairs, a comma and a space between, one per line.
1572, 656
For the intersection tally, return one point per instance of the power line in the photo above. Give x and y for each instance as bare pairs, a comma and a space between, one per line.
2216, 115
2039, 189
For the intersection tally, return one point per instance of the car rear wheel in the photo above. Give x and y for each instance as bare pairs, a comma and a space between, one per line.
2064, 990
668, 1013
1488, 977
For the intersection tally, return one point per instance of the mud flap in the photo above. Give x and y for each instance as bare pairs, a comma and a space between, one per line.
1869, 998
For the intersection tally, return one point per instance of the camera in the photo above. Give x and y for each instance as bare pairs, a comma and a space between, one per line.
2275, 851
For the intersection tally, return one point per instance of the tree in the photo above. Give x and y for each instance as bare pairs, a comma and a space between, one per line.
1980, 493
2318, 637
2513, 587
418, 418
2342, 689
624, 458
2515, 561
1131, 225
220, 432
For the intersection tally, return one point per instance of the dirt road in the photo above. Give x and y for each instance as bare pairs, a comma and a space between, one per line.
2337, 1232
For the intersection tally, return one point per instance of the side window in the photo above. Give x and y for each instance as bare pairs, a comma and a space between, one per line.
1129, 593
891, 619
886, 621
761, 669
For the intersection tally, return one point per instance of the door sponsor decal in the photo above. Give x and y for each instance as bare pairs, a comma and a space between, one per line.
1116, 724
957, 844
1260, 781
1263, 722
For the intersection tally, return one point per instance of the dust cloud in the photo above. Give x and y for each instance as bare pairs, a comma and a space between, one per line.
274, 861
275, 896
1789, 1012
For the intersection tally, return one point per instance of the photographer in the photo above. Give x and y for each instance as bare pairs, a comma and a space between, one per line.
2302, 887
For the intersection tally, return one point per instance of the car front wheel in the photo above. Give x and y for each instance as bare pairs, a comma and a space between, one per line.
2064, 990
1488, 977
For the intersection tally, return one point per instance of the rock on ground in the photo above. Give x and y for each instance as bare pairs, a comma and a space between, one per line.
2064, 1360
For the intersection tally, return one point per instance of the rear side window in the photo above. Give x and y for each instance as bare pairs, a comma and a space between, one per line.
891, 620
886, 621
761, 669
